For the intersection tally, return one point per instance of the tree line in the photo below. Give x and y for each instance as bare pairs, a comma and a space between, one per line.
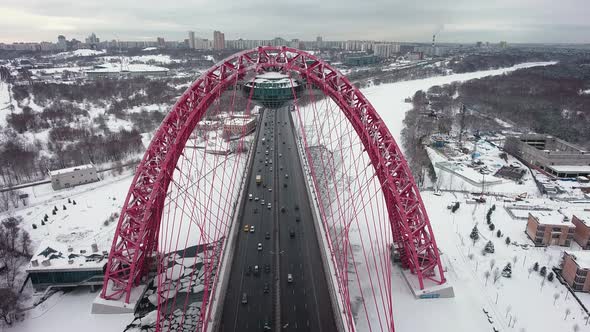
548, 99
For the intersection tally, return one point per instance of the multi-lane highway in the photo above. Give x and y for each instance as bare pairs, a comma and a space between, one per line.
290, 284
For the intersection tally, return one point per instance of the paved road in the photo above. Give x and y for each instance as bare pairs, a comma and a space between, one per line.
304, 302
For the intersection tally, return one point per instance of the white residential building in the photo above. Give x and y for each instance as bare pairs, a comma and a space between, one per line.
73, 176
385, 50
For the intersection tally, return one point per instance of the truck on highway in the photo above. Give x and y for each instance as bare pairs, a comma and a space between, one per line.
258, 179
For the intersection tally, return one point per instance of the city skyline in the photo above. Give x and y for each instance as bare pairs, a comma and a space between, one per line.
525, 21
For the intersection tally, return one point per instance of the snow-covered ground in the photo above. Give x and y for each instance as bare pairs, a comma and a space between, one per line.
455, 173
152, 58
82, 222
79, 53
70, 312
530, 302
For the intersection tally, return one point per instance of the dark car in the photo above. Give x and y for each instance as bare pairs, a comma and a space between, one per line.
291, 233
297, 219
267, 235
296, 207
283, 209
266, 288
267, 268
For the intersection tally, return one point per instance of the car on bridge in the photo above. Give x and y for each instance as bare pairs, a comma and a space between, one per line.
289, 278
266, 287
268, 206
259, 246
252, 229
267, 236
244, 298
246, 228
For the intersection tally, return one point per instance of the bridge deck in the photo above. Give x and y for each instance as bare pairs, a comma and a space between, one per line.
304, 302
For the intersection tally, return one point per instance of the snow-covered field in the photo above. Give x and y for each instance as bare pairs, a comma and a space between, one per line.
79, 53
530, 305
522, 297
455, 174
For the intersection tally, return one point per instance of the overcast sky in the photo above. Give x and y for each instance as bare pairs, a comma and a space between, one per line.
465, 21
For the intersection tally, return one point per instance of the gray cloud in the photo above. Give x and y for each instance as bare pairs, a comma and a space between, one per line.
395, 20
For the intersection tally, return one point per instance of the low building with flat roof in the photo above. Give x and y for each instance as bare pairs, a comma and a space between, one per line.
58, 264
73, 176
574, 270
553, 155
547, 228
132, 70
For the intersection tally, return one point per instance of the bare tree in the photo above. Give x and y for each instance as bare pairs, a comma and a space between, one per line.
530, 271
487, 275
26, 242
10, 225
576, 327
555, 297
492, 264
508, 309
497, 274
4, 200
568, 311
8, 305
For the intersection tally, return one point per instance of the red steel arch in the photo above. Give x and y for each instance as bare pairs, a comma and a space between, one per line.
137, 231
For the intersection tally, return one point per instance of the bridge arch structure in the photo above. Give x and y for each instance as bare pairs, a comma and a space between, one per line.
406, 226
